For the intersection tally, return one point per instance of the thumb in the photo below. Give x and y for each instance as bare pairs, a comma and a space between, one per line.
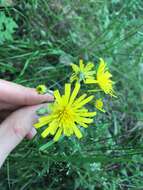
15, 128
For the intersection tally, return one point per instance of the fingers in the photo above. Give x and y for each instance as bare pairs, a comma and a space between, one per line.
6, 109
16, 127
6, 106
22, 121
15, 94
4, 114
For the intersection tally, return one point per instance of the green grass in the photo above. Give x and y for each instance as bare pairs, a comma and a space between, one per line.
51, 34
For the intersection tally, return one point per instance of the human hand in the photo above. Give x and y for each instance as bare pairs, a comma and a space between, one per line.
14, 96
15, 125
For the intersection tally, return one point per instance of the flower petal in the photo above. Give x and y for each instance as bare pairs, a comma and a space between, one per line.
74, 94
82, 103
91, 81
58, 134
78, 100
81, 65
75, 68
87, 114
67, 92
40, 124
45, 133
77, 131
89, 66
57, 96
84, 120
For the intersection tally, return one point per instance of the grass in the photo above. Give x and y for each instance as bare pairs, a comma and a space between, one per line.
51, 34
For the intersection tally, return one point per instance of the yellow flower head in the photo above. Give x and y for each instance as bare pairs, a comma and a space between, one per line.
41, 89
82, 72
99, 105
67, 113
103, 78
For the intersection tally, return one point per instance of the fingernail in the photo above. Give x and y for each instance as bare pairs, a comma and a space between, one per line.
32, 133
48, 97
50, 92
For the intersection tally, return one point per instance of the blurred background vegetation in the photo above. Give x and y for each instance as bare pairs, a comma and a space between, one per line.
38, 41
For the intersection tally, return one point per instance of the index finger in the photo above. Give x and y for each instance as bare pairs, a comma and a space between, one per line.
16, 94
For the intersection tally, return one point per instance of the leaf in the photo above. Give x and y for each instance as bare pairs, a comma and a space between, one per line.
47, 145
7, 28
42, 111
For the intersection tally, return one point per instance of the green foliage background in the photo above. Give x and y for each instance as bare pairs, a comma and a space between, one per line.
50, 35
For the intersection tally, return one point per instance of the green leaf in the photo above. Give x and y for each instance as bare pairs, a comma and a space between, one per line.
47, 145
42, 111
7, 28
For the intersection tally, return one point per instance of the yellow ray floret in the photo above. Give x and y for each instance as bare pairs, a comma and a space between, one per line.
103, 78
67, 114
82, 72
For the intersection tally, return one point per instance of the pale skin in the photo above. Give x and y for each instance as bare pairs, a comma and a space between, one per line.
18, 105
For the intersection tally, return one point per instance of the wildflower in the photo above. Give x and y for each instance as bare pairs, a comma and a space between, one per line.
66, 114
103, 78
41, 89
99, 105
82, 72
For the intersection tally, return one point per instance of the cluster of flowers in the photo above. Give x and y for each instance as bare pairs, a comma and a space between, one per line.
68, 113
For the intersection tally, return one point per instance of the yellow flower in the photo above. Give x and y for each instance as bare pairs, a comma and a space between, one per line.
103, 78
67, 113
41, 89
99, 105
82, 72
